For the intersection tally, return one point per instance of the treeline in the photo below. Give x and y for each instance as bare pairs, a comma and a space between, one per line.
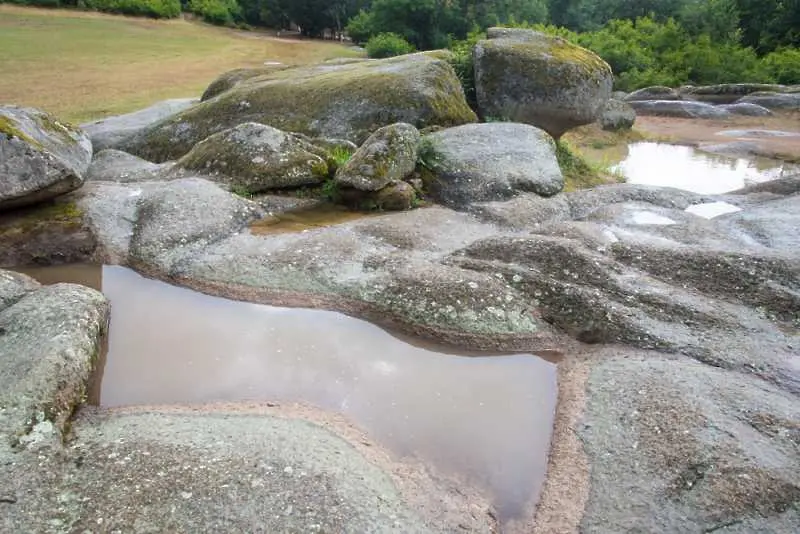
647, 42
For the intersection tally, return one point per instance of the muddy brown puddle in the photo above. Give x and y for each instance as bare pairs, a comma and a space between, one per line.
486, 418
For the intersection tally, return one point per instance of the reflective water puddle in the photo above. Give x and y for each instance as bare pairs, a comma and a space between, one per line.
686, 168
486, 418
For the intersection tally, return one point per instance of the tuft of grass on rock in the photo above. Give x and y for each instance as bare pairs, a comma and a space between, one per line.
579, 172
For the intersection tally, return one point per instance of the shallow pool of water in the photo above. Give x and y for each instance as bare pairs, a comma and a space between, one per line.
486, 418
686, 168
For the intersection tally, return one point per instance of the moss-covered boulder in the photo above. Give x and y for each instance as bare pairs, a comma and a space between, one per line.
388, 156
487, 162
254, 157
347, 101
527, 76
40, 157
231, 78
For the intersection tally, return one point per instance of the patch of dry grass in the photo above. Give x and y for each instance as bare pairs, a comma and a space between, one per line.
81, 66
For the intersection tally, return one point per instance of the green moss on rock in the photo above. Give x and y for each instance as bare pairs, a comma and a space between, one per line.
343, 101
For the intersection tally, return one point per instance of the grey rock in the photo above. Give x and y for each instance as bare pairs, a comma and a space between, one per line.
230, 79
340, 101
270, 473
184, 216
40, 157
112, 132
685, 436
774, 101
744, 108
14, 286
112, 165
492, 161
389, 155
726, 93
395, 197
619, 95
48, 348
680, 109
617, 115
656, 92
255, 158
526, 76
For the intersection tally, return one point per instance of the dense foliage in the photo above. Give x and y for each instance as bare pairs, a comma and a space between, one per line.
140, 8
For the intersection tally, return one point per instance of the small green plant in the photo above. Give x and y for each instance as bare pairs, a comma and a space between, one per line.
241, 191
426, 154
341, 155
580, 173
388, 45
330, 191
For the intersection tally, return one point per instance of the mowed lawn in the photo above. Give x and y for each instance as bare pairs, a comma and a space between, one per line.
82, 66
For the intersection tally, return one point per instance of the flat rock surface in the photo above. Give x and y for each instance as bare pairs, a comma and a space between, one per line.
222, 470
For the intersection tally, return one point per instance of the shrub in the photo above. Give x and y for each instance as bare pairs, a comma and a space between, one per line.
388, 45
142, 8
783, 65
219, 12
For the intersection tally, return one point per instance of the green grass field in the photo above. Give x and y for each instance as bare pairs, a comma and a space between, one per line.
82, 66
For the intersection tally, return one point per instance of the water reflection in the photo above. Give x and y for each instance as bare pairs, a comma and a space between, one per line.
488, 418
686, 168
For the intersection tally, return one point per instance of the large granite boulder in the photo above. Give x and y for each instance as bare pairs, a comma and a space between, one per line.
49, 344
656, 92
40, 157
229, 79
111, 132
679, 108
348, 101
529, 77
775, 101
617, 115
726, 93
491, 161
254, 157
388, 156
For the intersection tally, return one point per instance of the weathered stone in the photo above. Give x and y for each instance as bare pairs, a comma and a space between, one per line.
231, 78
14, 286
255, 158
395, 197
388, 156
342, 101
40, 157
112, 165
492, 161
111, 132
526, 76
743, 108
725, 93
681, 108
776, 101
49, 343
184, 216
656, 92
617, 115
46, 234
